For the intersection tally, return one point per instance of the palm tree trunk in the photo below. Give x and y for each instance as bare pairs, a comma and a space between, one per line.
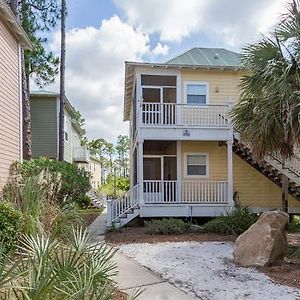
62, 82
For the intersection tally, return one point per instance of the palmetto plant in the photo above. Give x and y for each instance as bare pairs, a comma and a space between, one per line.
53, 270
35, 197
268, 114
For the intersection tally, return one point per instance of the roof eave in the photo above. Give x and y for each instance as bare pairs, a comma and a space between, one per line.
184, 66
14, 26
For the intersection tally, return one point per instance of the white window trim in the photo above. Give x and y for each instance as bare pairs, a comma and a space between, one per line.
66, 141
186, 83
185, 164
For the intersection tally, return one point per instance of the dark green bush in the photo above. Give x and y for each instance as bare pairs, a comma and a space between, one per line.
83, 201
167, 226
236, 222
75, 181
10, 224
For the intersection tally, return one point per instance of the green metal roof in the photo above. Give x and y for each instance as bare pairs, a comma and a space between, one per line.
211, 57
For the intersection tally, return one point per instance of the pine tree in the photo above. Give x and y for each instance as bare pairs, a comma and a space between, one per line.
36, 17
62, 81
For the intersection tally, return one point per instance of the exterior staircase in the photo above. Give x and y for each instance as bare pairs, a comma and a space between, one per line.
124, 209
97, 200
272, 167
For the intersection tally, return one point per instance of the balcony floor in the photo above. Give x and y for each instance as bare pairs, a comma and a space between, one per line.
185, 133
183, 210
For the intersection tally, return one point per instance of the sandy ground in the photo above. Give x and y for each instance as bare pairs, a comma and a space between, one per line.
205, 270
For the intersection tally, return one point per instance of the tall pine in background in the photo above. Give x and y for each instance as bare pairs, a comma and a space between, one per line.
62, 81
37, 17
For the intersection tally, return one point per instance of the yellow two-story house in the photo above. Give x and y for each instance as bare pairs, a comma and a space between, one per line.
186, 159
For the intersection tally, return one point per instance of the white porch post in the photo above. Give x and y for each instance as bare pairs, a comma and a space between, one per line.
109, 213
230, 173
140, 171
229, 156
178, 197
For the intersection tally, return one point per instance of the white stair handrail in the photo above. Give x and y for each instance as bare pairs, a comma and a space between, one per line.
116, 208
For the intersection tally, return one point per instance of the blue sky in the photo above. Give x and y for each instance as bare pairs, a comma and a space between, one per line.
82, 14
103, 34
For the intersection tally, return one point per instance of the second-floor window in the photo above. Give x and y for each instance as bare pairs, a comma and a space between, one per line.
196, 93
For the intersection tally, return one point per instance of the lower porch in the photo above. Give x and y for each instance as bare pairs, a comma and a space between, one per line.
175, 192
183, 172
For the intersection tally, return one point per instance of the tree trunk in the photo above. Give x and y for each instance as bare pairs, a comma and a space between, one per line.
62, 82
26, 126
14, 7
27, 153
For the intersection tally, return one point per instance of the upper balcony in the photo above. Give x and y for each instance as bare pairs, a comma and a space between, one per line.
173, 114
81, 155
184, 121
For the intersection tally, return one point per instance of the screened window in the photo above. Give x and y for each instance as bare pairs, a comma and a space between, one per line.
196, 94
196, 165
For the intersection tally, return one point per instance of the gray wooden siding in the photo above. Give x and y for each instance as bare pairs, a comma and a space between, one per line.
44, 127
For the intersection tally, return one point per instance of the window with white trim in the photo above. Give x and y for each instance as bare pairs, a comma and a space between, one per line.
196, 94
66, 135
196, 165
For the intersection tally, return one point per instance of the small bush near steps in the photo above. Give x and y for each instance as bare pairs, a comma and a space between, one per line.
10, 225
167, 226
236, 222
74, 181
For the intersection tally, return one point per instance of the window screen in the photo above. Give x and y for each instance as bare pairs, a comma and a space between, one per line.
196, 94
196, 165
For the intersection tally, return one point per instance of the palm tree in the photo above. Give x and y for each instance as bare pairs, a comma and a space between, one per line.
268, 114
62, 82
51, 269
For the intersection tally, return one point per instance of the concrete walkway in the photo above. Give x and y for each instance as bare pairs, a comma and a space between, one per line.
132, 275
98, 227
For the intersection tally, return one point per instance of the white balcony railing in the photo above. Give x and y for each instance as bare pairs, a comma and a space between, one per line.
81, 155
173, 114
205, 192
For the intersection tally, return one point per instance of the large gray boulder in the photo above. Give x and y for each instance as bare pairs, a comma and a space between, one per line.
264, 242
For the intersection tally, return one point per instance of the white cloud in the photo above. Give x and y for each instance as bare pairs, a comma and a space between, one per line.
95, 72
231, 22
161, 49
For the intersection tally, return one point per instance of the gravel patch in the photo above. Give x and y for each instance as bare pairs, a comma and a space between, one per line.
206, 271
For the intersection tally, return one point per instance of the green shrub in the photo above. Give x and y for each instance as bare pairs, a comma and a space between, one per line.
167, 226
236, 222
83, 201
35, 199
123, 183
10, 224
75, 181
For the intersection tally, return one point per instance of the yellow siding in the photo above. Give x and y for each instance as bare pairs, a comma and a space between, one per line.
217, 158
254, 189
222, 84
10, 138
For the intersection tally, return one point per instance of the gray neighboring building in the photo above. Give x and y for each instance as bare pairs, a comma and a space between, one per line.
44, 107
